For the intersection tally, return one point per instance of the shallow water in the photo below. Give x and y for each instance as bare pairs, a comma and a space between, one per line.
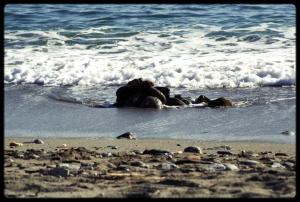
260, 114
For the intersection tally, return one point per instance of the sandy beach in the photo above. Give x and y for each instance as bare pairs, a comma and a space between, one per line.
149, 168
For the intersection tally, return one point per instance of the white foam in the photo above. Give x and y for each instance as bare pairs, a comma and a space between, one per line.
190, 60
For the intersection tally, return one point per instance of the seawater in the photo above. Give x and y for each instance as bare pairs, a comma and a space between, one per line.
61, 59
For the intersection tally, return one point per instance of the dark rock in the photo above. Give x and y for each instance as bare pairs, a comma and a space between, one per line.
225, 152
127, 135
174, 102
156, 152
193, 149
164, 90
151, 102
139, 164
249, 162
186, 100
135, 100
201, 99
38, 141
63, 172
281, 154
156, 93
123, 94
219, 102
214, 103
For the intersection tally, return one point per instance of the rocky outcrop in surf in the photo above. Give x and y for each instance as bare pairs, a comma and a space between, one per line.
144, 94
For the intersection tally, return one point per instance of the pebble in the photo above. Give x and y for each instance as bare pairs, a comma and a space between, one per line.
112, 147
224, 147
127, 135
230, 166
63, 172
167, 166
193, 149
34, 156
123, 168
9, 160
69, 166
277, 165
218, 166
289, 164
38, 141
156, 152
137, 151
280, 154
139, 164
108, 154
15, 144
249, 162
248, 154
225, 152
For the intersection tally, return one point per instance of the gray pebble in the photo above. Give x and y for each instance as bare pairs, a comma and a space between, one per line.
69, 166
218, 166
193, 149
230, 166
277, 165
167, 166
249, 162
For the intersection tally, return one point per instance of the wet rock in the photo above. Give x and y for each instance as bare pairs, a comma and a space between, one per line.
230, 166
186, 100
151, 102
63, 172
249, 162
127, 135
38, 141
174, 102
156, 152
157, 94
214, 103
164, 90
193, 149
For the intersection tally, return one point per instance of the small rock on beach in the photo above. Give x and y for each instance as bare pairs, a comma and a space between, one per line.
193, 149
127, 135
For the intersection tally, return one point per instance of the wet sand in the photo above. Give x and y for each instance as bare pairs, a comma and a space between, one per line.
155, 168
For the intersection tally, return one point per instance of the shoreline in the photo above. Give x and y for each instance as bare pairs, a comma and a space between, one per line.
143, 143
148, 168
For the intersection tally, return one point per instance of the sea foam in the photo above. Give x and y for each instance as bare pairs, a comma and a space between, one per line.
172, 57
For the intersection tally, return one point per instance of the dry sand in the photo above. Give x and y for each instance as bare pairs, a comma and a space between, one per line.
117, 168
